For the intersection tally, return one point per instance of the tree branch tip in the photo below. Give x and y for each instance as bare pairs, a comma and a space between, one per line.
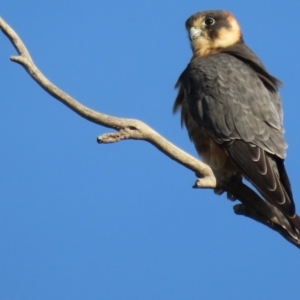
16, 58
208, 182
113, 137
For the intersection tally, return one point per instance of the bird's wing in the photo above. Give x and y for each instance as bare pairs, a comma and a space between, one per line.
246, 55
231, 102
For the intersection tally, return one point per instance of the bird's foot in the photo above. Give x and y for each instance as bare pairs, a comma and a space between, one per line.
219, 191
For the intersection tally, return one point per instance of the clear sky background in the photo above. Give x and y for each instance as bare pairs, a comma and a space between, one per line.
80, 220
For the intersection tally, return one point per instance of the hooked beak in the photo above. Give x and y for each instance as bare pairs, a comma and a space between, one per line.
195, 33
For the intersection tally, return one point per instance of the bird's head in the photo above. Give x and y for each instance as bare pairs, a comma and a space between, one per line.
210, 31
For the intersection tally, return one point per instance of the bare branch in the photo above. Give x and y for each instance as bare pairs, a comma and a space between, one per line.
252, 206
127, 128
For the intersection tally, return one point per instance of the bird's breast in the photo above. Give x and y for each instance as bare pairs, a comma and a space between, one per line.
206, 147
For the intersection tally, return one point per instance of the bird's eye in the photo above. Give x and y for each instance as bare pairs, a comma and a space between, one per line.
209, 21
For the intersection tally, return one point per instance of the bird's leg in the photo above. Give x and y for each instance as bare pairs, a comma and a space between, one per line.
226, 180
235, 181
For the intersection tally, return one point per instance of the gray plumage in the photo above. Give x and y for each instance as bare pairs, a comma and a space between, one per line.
229, 100
232, 96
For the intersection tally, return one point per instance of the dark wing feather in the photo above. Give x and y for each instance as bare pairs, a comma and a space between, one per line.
265, 172
229, 99
245, 54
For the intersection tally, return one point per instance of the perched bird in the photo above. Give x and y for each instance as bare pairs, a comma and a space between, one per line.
232, 110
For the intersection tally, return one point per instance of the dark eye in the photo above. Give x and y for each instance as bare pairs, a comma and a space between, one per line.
209, 21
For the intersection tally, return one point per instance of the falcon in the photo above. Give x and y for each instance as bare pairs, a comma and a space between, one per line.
232, 110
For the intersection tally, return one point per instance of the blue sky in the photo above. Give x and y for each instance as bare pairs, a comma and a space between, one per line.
80, 220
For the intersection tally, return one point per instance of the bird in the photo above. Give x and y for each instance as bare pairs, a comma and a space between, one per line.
231, 107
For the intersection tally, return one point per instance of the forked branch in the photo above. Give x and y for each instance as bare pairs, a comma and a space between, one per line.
252, 206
